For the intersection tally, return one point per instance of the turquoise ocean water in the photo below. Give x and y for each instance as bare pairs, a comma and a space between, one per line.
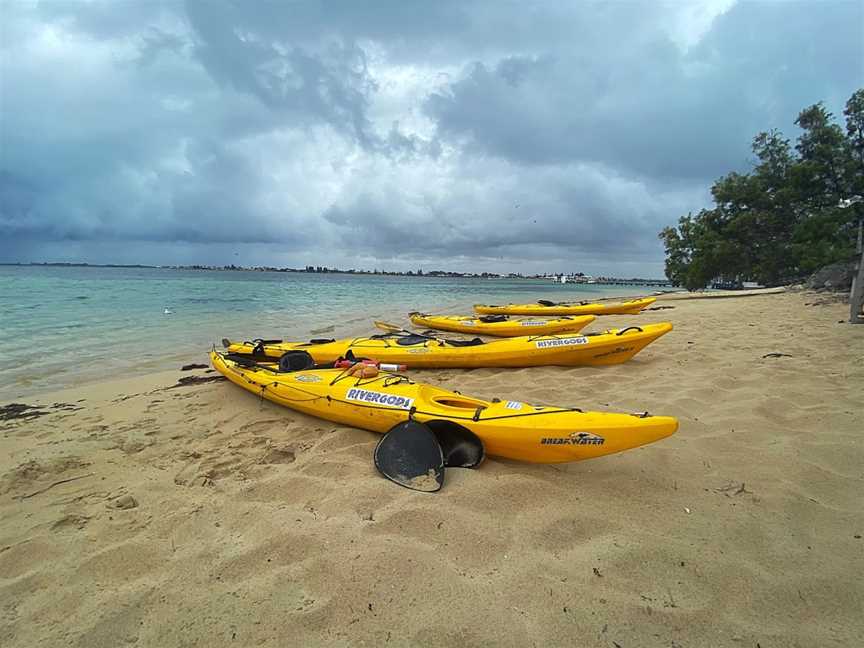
65, 326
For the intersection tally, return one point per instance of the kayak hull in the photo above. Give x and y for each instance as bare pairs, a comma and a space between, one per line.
597, 349
508, 328
632, 307
508, 429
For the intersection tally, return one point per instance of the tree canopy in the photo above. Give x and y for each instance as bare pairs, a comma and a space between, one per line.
784, 219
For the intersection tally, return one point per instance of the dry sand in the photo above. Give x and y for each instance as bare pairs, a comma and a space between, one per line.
201, 516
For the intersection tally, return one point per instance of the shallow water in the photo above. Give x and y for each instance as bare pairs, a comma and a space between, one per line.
64, 326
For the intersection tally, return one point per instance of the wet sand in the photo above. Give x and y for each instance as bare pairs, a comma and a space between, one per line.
137, 512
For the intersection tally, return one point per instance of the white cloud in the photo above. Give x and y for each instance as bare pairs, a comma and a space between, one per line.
689, 21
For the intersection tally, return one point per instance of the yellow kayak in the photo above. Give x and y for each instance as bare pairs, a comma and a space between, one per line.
500, 325
542, 307
422, 351
506, 428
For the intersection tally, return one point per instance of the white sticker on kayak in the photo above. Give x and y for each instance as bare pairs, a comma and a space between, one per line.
469, 322
378, 398
307, 378
513, 405
532, 323
557, 342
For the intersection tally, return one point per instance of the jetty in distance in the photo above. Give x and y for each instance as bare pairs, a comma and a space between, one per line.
612, 281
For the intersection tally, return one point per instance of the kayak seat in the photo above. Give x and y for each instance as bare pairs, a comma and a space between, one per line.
411, 340
489, 319
242, 360
295, 361
546, 302
463, 343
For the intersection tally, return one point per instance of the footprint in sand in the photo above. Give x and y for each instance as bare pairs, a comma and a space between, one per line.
124, 502
31, 471
278, 456
253, 442
195, 407
71, 522
210, 471
133, 446
262, 426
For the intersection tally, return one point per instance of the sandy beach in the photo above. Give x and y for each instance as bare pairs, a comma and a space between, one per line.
144, 512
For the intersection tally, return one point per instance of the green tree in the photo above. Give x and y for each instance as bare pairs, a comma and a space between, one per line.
854, 113
782, 220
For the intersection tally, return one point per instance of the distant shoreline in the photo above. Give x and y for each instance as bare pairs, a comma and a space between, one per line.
575, 280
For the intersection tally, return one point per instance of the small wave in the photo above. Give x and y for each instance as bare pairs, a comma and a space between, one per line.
354, 320
218, 300
326, 329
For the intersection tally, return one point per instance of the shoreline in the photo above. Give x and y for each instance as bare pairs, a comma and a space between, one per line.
82, 371
160, 364
164, 378
90, 327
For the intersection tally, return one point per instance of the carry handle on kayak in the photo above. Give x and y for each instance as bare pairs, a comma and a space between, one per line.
629, 328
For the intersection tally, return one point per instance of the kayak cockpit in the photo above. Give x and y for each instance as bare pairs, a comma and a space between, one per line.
455, 401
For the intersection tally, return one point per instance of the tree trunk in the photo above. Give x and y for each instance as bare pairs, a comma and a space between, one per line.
856, 296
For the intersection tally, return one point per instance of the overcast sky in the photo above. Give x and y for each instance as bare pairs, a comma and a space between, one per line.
499, 136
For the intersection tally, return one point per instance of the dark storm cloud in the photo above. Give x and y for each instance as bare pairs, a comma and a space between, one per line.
651, 109
511, 134
237, 47
575, 208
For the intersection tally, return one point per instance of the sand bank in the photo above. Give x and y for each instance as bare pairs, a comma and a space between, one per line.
134, 513
720, 294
